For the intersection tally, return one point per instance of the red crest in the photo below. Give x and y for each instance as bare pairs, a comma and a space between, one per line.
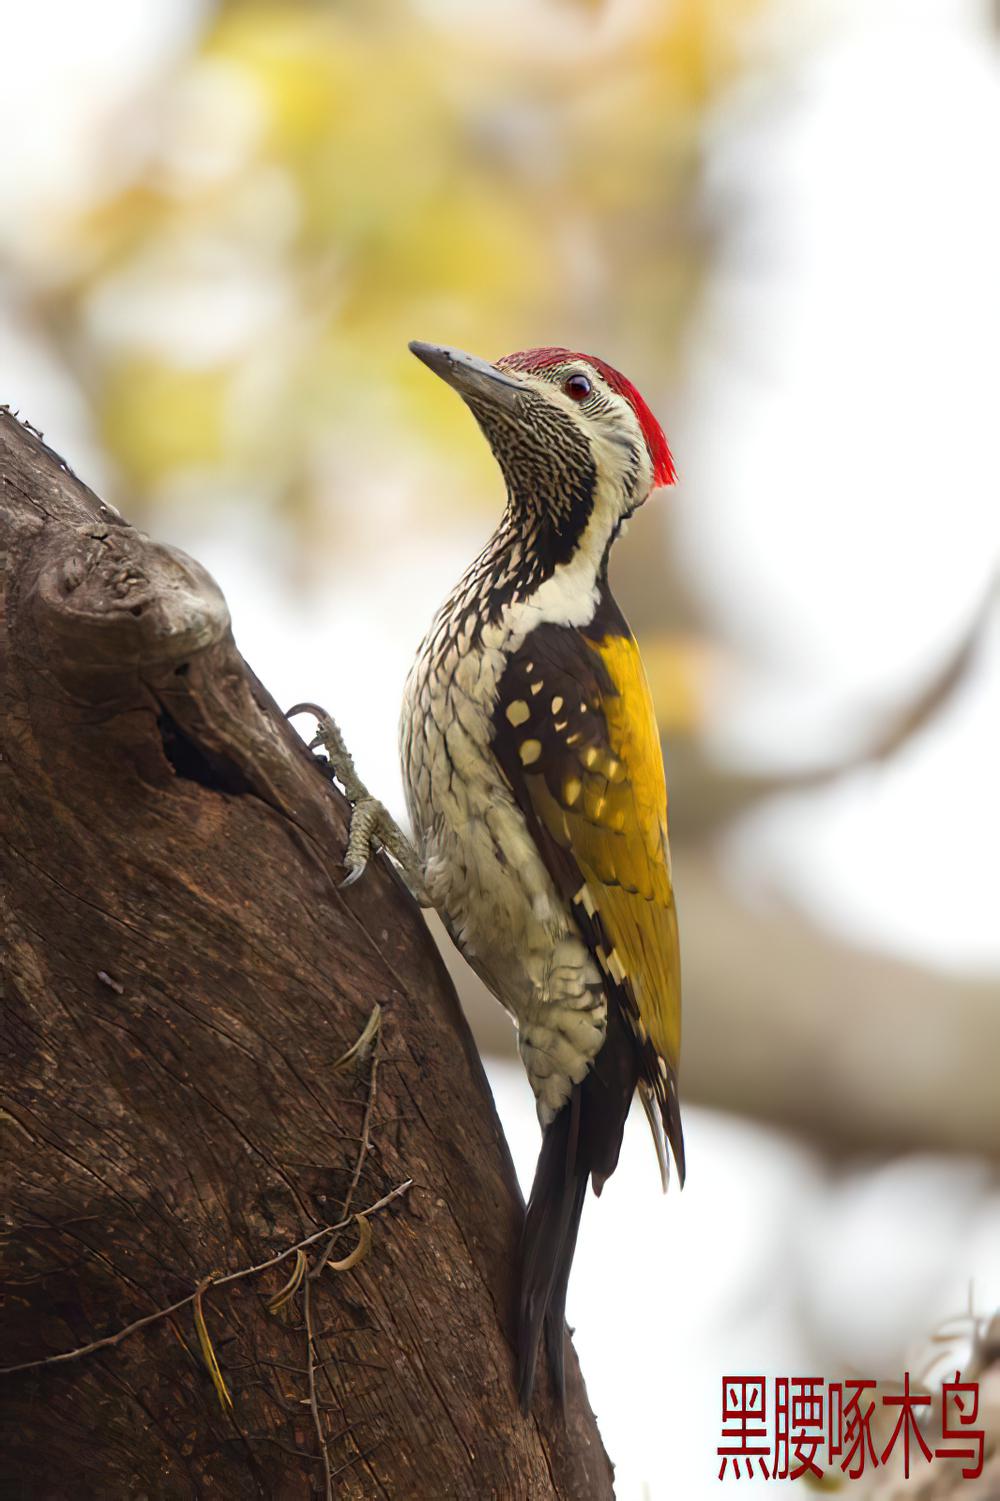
532, 360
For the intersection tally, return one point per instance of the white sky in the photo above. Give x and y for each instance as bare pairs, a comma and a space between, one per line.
842, 510
73, 67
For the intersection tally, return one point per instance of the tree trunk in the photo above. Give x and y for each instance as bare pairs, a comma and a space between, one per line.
181, 974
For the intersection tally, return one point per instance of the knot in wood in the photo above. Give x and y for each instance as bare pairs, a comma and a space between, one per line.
113, 598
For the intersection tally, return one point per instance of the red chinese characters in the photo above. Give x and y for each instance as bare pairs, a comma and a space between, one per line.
960, 1409
906, 1423
851, 1413
820, 1426
798, 1426
744, 1410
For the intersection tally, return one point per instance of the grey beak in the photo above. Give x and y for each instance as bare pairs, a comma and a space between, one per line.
472, 378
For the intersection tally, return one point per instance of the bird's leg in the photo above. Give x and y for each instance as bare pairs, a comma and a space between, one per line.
372, 825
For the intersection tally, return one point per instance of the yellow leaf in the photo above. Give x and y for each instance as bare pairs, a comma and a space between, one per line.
292, 1286
208, 1352
363, 1045
360, 1250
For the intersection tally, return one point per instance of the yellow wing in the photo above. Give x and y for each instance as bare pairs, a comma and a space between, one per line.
588, 766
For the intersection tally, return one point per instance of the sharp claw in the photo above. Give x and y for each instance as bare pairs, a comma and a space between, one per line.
313, 709
370, 826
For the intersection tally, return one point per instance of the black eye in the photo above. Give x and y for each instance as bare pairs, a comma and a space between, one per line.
578, 387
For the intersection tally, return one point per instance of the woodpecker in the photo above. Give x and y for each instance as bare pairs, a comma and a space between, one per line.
535, 788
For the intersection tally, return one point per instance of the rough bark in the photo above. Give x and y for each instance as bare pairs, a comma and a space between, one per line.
180, 970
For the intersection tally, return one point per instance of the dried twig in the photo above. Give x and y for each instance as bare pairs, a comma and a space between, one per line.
367, 1044
359, 1162
366, 1127
311, 1377
247, 1271
302, 1275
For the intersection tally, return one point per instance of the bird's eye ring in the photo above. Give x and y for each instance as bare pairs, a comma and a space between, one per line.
577, 387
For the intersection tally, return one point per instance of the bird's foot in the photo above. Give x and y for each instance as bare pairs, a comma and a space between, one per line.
372, 825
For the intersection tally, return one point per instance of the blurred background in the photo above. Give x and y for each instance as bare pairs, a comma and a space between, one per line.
220, 224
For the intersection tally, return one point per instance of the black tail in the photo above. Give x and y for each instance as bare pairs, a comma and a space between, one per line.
547, 1247
583, 1139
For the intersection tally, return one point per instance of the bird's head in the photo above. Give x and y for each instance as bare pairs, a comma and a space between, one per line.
579, 448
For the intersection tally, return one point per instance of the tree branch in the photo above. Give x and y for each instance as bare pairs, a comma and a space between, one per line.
179, 966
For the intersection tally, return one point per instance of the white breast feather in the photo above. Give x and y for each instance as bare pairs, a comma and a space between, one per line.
481, 865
